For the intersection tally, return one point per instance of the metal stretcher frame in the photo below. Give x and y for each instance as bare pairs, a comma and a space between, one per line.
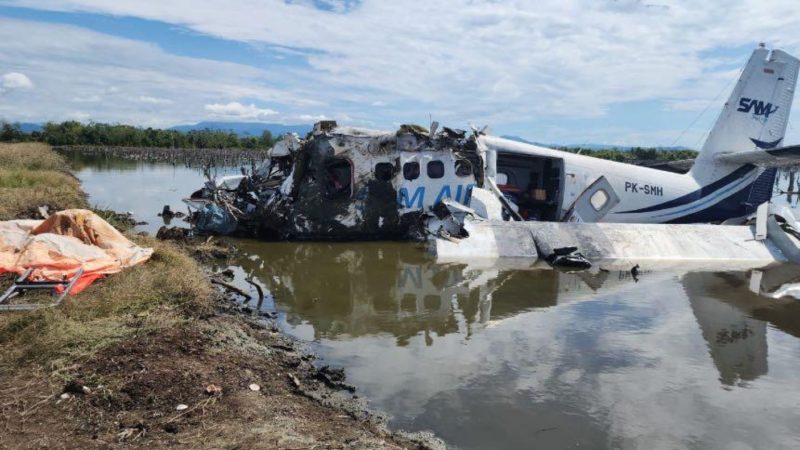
22, 284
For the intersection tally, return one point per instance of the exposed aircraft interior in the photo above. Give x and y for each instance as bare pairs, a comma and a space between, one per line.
533, 183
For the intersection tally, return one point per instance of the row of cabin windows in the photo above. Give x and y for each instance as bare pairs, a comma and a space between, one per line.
435, 170
384, 171
340, 172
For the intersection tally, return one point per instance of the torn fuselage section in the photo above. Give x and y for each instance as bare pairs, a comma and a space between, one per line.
343, 183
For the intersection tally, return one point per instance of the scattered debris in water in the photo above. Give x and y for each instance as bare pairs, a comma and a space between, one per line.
568, 258
167, 213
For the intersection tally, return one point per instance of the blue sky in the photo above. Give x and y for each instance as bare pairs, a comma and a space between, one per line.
558, 71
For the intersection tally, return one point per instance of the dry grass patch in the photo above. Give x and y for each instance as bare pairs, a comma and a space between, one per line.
30, 155
168, 290
32, 175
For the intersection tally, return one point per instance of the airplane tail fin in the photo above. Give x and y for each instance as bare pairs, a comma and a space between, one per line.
756, 114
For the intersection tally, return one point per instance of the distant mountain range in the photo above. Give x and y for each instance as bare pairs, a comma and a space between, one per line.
30, 127
587, 146
240, 128
247, 128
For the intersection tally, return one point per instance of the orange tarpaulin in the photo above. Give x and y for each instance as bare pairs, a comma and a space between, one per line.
60, 245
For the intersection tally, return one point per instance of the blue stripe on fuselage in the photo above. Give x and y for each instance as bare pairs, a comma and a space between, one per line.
739, 204
721, 193
698, 194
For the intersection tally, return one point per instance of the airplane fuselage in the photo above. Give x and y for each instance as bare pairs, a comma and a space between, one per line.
646, 195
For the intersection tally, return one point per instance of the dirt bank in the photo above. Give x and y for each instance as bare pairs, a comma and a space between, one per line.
155, 356
243, 384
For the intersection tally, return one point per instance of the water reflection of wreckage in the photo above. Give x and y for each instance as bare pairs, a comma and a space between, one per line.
343, 183
387, 289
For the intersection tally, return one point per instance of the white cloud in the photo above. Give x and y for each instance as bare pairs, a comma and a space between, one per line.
134, 89
81, 116
14, 81
154, 100
309, 118
689, 104
236, 110
88, 99
484, 61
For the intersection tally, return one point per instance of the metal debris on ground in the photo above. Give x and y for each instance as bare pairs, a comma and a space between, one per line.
294, 380
213, 389
22, 284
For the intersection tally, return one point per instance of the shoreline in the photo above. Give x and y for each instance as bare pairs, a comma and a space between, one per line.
157, 356
189, 157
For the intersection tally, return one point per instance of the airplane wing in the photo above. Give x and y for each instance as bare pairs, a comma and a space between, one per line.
777, 157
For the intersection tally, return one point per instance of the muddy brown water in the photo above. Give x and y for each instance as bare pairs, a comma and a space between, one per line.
506, 359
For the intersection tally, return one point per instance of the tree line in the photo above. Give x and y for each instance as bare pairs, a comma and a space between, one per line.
101, 134
115, 135
635, 153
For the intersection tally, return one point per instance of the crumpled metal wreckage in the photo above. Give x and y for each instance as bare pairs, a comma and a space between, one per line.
342, 183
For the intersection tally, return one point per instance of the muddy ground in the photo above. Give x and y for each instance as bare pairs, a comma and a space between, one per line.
239, 382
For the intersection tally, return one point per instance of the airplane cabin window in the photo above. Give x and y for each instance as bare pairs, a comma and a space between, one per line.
599, 199
501, 178
435, 169
411, 170
339, 178
384, 171
463, 168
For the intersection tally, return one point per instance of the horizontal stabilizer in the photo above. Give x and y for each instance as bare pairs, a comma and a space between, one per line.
775, 157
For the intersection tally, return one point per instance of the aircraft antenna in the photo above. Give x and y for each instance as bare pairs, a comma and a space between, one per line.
708, 105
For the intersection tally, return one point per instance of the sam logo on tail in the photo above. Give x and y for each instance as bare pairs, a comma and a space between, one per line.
758, 107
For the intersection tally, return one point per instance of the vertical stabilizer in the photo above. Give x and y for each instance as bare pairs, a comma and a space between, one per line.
755, 115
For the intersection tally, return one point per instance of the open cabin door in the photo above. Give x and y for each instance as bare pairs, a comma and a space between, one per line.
593, 203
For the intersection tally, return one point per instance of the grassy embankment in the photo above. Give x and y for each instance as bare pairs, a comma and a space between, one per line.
31, 175
108, 368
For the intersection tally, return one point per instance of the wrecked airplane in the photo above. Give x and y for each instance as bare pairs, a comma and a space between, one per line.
343, 183
474, 195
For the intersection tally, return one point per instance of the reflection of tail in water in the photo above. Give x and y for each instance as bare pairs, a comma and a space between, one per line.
736, 342
787, 184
